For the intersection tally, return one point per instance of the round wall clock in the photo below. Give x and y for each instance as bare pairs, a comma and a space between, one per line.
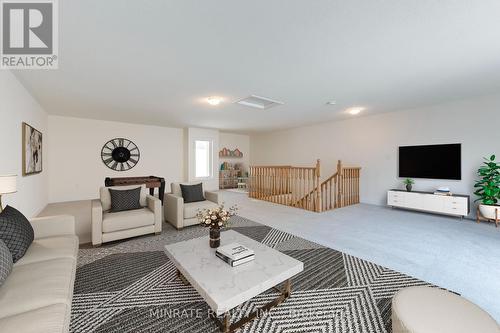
120, 154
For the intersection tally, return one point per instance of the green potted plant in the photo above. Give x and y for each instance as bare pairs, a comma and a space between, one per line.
488, 187
408, 182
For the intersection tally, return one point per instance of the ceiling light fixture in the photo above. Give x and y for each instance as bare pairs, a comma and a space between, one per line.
331, 103
356, 110
214, 101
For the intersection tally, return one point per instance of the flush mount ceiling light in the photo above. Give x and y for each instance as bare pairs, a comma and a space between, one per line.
355, 110
214, 100
331, 103
258, 102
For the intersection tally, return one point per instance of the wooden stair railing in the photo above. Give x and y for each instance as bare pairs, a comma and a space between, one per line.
301, 187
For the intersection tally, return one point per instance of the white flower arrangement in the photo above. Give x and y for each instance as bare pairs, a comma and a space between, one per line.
216, 217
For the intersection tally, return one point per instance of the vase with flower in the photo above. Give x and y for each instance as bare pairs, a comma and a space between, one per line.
215, 219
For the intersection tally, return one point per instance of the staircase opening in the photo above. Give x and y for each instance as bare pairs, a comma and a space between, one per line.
301, 186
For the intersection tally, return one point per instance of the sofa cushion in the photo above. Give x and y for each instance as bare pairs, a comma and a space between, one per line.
192, 193
127, 220
37, 285
122, 200
192, 208
50, 248
49, 319
105, 196
5, 262
16, 231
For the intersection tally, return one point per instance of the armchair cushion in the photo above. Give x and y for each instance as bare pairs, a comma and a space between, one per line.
127, 220
192, 193
176, 187
16, 232
105, 196
191, 209
122, 200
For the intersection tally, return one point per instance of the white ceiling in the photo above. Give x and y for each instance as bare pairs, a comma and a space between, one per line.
154, 61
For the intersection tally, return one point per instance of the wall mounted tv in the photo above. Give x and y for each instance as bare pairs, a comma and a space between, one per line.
432, 161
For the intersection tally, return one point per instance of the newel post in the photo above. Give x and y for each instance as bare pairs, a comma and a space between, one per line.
341, 184
318, 187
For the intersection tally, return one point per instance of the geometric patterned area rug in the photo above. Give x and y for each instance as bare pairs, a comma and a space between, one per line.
131, 287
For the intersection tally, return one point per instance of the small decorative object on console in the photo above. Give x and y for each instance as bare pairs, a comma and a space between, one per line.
408, 182
443, 191
215, 219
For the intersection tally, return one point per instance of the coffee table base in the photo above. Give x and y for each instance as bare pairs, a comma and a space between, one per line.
225, 324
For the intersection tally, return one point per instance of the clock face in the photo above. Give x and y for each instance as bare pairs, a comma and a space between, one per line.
120, 154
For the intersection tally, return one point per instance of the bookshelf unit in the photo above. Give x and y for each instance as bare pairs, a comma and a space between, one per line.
228, 178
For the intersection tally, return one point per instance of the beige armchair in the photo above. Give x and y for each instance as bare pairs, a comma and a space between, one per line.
181, 215
107, 227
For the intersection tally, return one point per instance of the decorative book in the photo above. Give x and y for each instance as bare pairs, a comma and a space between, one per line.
235, 254
235, 251
235, 263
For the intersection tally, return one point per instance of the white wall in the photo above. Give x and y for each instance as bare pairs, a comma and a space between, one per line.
372, 142
193, 134
76, 170
18, 106
233, 141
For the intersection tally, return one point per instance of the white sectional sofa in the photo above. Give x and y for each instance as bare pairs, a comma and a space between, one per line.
37, 295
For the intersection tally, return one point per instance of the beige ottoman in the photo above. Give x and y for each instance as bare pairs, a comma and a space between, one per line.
432, 310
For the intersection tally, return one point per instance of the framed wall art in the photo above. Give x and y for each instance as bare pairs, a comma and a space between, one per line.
32, 150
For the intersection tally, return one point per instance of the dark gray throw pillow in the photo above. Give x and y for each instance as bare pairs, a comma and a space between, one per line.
122, 200
5, 262
192, 193
16, 232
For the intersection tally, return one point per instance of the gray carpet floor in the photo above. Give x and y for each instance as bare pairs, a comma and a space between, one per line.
459, 255
131, 286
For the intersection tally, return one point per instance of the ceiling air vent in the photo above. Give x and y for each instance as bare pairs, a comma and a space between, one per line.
259, 102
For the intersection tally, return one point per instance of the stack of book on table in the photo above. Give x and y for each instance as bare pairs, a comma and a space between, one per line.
235, 254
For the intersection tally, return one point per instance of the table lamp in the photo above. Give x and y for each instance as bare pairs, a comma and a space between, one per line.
8, 184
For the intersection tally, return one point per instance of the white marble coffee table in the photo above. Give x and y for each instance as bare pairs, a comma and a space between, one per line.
224, 287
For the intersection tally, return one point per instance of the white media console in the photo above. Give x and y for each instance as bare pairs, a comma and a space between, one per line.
429, 202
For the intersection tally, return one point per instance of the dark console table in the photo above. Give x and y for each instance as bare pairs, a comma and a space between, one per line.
151, 182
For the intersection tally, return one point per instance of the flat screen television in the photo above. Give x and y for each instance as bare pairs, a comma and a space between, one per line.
431, 161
